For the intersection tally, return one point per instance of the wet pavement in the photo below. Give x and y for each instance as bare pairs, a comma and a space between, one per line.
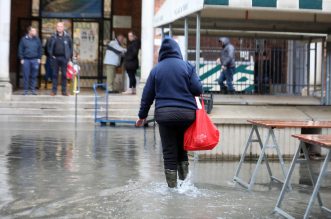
54, 170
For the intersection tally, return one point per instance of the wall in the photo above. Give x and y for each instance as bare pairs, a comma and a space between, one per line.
128, 8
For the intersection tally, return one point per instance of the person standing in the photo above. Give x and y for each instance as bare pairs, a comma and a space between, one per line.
61, 51
48, 65
173, 83
113, 59
30, 52
131, 61
228, 65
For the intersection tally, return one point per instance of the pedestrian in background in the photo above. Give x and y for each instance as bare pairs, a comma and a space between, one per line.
228, 65
61, 51
131, 61
30, 52
173, 83
48, 65
113, 58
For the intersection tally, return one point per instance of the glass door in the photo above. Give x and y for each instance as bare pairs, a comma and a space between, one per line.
86, 49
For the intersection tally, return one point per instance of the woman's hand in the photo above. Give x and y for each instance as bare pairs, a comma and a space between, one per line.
140, 122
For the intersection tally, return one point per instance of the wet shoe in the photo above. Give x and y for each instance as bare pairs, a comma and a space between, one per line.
128, 92
171, 177
183, 170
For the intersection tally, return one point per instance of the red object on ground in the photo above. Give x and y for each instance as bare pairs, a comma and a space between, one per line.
202, 134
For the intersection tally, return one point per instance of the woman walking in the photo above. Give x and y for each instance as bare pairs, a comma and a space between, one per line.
173, 84
132, 62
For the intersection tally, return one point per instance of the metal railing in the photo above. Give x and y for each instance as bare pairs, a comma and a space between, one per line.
278, 68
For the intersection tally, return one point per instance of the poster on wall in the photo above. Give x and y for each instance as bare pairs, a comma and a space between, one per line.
86, 40
71, 8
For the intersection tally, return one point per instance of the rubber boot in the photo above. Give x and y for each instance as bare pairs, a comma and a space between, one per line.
171, 177
183, 170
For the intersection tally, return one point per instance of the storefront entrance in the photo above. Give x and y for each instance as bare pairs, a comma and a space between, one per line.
87, 45
89, 24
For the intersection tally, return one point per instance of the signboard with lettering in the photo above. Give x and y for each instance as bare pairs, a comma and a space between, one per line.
172, 10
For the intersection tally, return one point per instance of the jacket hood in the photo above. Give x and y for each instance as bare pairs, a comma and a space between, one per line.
224, 40
169, 49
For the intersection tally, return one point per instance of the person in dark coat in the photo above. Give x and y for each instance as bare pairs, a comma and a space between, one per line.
30, 52
173, 84
61, 51
228, 65
131, 61
48, 64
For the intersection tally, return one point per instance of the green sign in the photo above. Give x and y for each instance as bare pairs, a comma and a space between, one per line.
264, 3
310, 4
217, 2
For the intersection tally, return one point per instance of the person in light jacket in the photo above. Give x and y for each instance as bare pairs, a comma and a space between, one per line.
173, 83
113, 58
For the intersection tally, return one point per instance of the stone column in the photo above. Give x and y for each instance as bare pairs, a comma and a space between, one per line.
5, 86
147, 41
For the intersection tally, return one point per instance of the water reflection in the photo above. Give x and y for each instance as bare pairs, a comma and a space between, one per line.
117, 172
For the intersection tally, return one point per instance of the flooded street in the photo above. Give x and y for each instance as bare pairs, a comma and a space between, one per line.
54, 170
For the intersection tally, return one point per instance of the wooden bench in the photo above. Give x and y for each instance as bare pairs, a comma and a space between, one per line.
323, 141
271, 125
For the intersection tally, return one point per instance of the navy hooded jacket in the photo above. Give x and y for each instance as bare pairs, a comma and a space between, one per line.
172, 82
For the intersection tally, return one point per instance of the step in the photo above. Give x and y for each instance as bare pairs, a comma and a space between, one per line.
64, 119
114, 97
69, 111
55, 105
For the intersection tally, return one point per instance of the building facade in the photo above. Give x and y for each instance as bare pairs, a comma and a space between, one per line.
92, 24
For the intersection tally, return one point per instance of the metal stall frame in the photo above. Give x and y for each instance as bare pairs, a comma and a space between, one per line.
220, 19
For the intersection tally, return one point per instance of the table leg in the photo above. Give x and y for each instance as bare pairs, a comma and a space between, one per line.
318, 185
280, 157
242, 159
261, 146
286, 184
261, 157
310, 170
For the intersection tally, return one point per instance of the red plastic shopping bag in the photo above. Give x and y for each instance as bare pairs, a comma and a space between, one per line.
71, 71
202, 134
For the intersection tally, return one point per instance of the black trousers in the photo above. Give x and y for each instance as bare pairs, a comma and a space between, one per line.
132, 78
173, 123
60, 63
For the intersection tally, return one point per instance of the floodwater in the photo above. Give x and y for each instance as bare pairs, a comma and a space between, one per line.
54, 170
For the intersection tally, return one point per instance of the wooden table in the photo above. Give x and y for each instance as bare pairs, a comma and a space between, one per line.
323, 141
271, 125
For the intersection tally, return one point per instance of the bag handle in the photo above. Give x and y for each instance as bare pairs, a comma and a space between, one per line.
200, 104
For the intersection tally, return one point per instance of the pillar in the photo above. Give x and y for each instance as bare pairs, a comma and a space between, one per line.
328, 74
147, 39
186, 39
197, 47
5, 86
